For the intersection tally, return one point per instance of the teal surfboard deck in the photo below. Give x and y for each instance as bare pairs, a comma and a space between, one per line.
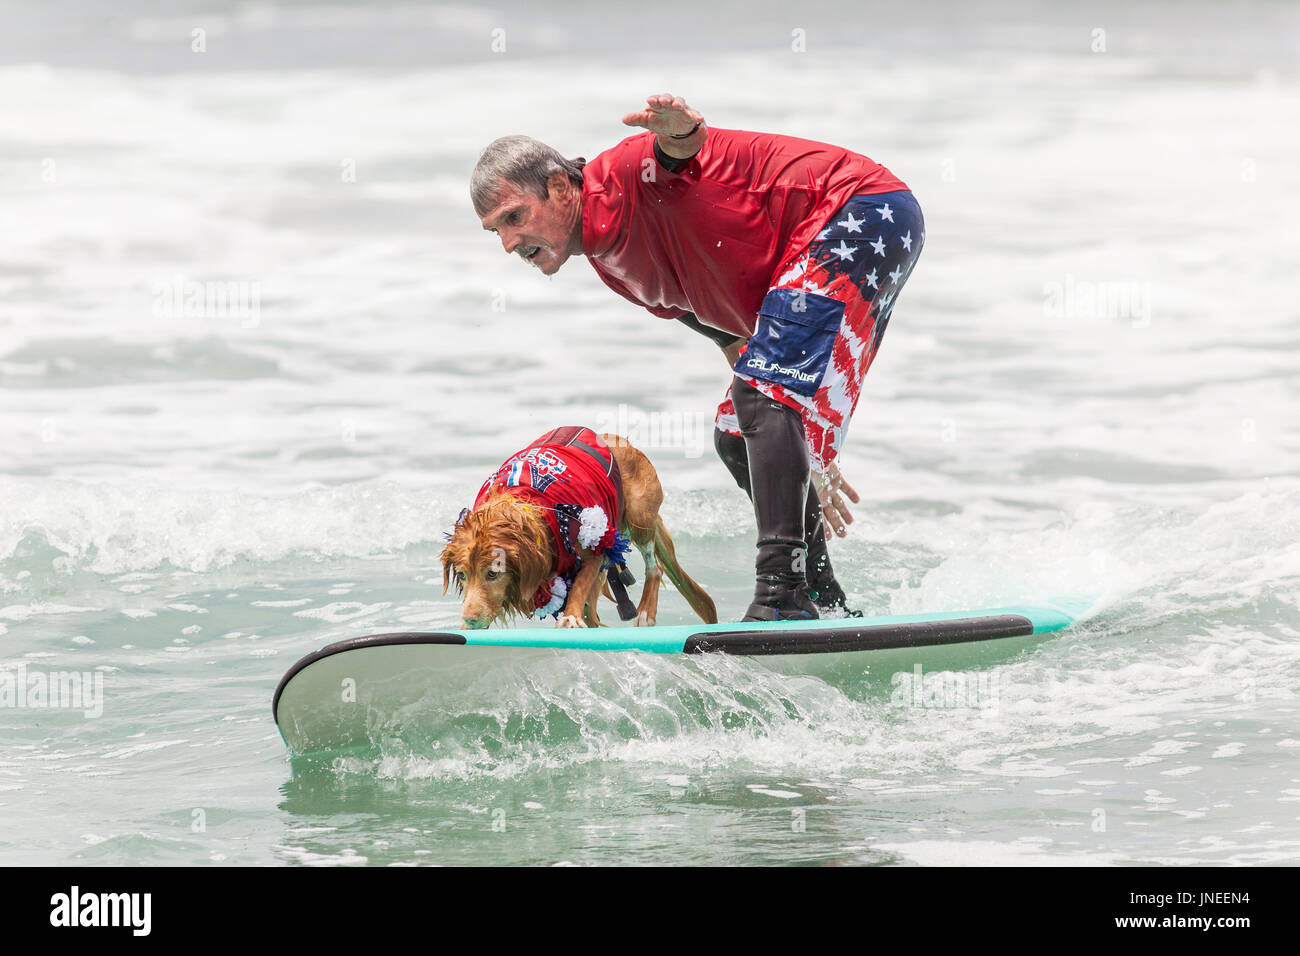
353, 692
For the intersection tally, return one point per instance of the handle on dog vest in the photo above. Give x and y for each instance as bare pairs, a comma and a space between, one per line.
618, 588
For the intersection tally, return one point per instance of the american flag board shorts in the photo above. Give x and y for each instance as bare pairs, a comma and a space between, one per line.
821, 324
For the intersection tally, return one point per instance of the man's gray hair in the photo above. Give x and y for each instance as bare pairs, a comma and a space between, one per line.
523, 162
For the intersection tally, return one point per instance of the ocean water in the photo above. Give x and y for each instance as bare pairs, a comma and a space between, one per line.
256, 354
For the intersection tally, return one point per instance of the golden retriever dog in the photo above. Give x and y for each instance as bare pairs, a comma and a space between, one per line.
503, 555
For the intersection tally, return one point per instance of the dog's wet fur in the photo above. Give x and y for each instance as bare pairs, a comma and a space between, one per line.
502, 552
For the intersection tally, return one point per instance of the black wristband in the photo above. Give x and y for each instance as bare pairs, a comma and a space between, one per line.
694, 130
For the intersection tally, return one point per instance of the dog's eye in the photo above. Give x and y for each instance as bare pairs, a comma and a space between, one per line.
492, 575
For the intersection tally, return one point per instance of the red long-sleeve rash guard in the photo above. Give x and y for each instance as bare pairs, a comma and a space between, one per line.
709, 238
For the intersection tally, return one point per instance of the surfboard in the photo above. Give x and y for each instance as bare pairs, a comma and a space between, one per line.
352, 692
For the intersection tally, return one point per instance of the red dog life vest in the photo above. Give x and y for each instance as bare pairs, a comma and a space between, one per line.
572, 477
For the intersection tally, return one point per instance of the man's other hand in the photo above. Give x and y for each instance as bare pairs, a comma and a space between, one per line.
834, 509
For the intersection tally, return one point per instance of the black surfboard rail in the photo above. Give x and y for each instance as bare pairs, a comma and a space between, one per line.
860, 638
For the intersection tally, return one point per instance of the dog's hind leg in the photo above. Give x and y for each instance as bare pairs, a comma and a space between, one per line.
643, 494
695, 595
648, 607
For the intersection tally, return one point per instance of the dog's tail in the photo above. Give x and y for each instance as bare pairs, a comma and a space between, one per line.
695, 595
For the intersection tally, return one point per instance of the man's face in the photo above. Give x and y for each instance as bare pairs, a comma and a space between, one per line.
544, 232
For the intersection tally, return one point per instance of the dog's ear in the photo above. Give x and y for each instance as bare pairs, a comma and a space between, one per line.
530, 570
448, 555
447, 567
522, 536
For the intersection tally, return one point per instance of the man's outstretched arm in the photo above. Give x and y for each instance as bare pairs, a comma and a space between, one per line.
679, 131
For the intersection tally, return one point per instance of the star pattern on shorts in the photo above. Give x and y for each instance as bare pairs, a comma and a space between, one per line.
852, 225
879, 277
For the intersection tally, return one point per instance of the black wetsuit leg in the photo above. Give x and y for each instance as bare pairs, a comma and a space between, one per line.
779, 484
823, 587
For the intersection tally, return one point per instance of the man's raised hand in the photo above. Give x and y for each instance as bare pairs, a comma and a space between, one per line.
669, 117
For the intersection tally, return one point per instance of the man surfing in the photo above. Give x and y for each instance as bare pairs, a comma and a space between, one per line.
788, 253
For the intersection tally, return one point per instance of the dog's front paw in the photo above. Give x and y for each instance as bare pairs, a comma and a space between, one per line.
645, 620
570, 621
